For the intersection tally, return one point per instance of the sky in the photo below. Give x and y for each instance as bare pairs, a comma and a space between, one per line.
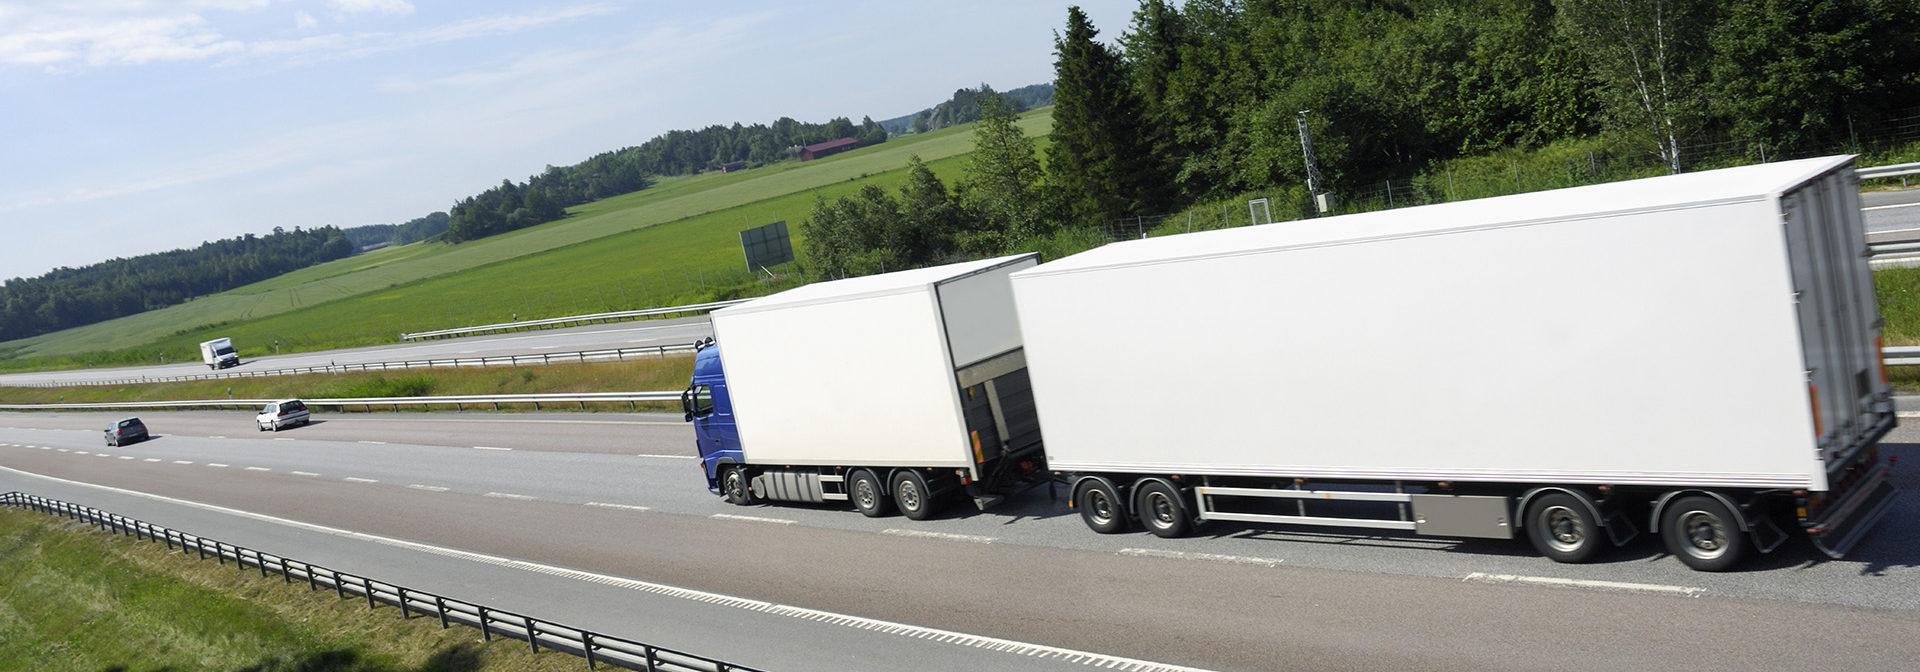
133, 126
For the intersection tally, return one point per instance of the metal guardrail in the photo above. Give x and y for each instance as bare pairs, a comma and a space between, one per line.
459, 402
598, 649
570, 319
617, 354
1894, 170
1900, 355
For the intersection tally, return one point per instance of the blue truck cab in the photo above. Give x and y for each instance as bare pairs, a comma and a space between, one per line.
711, 412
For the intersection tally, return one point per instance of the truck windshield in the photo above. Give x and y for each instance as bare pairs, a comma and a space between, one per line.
224, 350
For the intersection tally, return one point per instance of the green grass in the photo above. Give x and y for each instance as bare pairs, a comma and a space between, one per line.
350, 285
74, 599
644, 374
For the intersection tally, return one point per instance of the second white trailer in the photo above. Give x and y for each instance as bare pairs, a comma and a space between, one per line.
1694, 354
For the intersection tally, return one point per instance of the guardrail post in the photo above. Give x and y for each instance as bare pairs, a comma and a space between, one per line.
486, 634
533, 633
402, 591
440, 607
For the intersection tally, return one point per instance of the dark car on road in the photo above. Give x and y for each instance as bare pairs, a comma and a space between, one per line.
126, 431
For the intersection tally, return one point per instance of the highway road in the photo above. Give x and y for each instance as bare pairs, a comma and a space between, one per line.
589, 497
1888, 211
591, 337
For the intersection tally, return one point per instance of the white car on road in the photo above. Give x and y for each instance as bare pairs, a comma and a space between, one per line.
285, 413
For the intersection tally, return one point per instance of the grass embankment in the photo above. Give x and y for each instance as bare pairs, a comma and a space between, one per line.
362, 300
75, 599
639, 375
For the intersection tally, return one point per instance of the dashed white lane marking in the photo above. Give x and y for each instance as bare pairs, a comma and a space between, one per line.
126, 457
304, 473
1038, 651
1585, 583
753, 519
216, 437
258, 469
151, 459
509, 495
183, 461
949, 536
278, 439
629, 507
376, 443
65, 450
44, 447
216, 465
81, 452
1210, 557
489, 448
101, 455
429, 488
1888, 207
358, 479
668, 457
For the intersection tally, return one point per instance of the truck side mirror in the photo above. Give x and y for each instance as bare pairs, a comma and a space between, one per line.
686, 403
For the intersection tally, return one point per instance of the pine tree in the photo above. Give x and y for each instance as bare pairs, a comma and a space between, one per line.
1096, 160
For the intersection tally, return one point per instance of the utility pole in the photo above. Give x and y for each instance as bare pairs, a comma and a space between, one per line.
1322, 200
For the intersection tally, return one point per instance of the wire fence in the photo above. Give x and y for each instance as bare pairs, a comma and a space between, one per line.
539, 634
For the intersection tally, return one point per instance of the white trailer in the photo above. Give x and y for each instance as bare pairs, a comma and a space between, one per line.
218, 353
1697, 354
893, 388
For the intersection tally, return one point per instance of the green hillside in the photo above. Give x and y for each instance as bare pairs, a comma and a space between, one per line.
605, 255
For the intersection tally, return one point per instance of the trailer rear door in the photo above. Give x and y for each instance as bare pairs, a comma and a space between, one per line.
1839, 317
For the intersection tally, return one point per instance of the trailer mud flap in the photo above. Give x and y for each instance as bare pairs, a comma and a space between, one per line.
1850, 520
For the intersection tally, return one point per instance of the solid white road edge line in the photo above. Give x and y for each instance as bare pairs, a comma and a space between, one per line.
667, 457
949, 536
1210, 557
1888, 207
752, 519
1585, 583
489, 448
856, 622
630, 507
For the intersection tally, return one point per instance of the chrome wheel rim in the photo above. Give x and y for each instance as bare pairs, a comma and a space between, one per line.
863, 494
1099, 506
1706, 534
909, 495
1566, 532
736, 484
1161, 507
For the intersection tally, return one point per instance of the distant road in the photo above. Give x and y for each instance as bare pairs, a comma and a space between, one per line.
620, 495
1889, 211
591, 337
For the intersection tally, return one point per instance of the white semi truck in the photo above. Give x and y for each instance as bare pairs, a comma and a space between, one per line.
219, 353
1693, 356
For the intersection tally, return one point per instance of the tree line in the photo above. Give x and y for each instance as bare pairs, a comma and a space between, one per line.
1204, 100
71, 297
413, 231
964, 107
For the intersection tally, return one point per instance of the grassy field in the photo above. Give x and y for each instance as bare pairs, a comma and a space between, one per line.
651, 374
169, 334
77, 600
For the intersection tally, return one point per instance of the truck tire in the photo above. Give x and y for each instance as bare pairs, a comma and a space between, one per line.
868, 495
1562, 528
1100, 506
736, 486
911, 494
1162, 511
1703, 533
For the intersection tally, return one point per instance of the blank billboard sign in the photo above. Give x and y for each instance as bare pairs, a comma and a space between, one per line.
767, 246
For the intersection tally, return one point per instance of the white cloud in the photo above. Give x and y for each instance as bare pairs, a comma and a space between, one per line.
350, 7
111, 33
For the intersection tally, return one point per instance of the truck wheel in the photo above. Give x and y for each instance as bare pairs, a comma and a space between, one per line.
869, 497
1161, 510
911, 494
1561, 527
1701, 532
1100, 507
734, 484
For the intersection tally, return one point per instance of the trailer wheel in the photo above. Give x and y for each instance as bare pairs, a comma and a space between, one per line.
1562, 528
911, 494
734, 484
1701, 532
1161, 510
1100, 507
869, 497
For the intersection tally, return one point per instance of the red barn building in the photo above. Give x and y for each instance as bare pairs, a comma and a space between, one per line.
817, 150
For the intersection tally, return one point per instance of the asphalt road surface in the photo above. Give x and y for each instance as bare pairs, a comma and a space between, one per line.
591, 337
1892, 211
608, 495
